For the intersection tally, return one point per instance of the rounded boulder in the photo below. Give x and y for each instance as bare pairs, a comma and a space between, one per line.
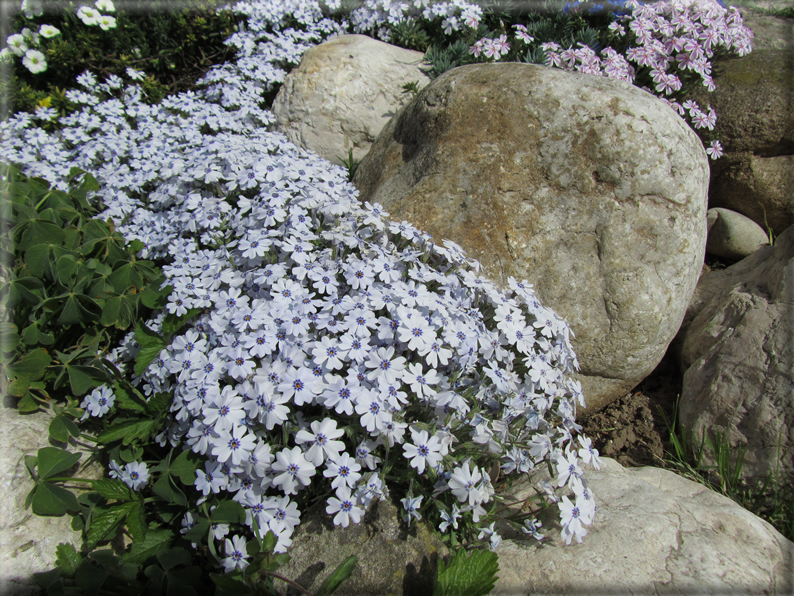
592, 190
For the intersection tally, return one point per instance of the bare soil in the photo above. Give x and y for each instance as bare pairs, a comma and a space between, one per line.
632, 430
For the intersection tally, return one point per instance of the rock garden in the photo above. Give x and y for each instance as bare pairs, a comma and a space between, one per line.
412, 298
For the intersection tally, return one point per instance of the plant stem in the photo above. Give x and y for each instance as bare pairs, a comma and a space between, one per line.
289, 581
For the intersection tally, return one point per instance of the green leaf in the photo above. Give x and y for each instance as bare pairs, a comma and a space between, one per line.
338, 577
199, 531
173, 557
467, 576
67, 559
104, 521
153, 297
83, 378
269, 542
32, 365
89, 578
119, 312
159, 403
113, 488
228, 512
128, 398
47, 579
166, 490
74, 313
151, 345
9, 337
128, 431
184, 467
52, 461
61, 428
156, 540
40, 231
53, 500
136, 522
228, 585
172, 323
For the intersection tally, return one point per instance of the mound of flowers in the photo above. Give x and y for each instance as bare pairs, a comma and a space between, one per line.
322, 351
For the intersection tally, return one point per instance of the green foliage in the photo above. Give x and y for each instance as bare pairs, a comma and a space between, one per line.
71, 288
350, 164
472, 575
173, 48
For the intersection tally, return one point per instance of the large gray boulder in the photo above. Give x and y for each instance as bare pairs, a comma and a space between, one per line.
591, 189
654, 533
737, 351
27, 541
753, 101
343, 93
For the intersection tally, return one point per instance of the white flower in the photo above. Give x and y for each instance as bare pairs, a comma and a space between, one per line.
88, 15
293, 470
98, 403
106, 22
49, 31
411, 507
425, 450
345, 508
17, 44
105, 5
236, 554
573, 516
463, 484
450, 518
323, 443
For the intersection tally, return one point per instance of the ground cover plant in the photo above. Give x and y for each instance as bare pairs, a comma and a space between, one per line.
306, 350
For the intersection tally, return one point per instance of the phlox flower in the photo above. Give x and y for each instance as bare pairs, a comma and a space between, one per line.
236, 554
411, 508
211, 478
293, 470
450, 519
588, 453
344, 470
567, 468
105, 5
98, 402
234, 446
714, 150
463, 484
322, 441
425, 450
134, 474
574, 517
344, 506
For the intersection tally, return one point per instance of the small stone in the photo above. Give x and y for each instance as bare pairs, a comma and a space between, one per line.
732, 235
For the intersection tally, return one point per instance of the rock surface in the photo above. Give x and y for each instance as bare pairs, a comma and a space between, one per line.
732, 235
343, 93
593, 190
754, 101
392, 559
654, 533
27, 541
738, 356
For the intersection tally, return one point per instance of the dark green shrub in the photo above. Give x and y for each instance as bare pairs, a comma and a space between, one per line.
172, 45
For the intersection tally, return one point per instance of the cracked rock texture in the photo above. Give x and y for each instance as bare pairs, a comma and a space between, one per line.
654, 533
738, 356
343, 93
593, 190
27, 541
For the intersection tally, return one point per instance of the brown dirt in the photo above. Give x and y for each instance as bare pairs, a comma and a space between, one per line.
632, 430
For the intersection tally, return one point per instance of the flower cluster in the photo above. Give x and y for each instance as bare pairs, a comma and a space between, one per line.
670, 41
28, 44
325, 344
